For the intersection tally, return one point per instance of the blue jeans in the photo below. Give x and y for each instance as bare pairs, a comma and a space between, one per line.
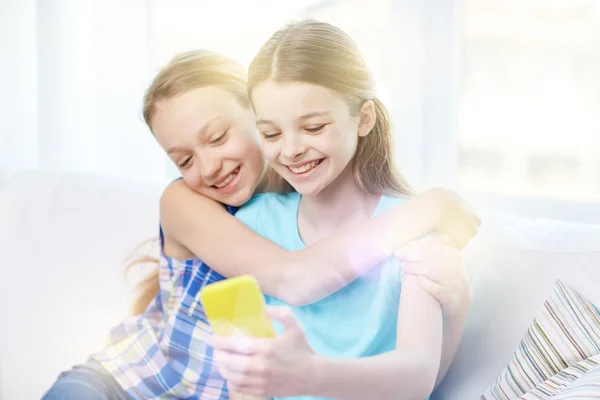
89, 381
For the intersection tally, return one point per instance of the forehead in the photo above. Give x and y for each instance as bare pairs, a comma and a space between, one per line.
194, 107
275, 101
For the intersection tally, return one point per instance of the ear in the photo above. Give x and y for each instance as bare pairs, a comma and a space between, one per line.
368, 117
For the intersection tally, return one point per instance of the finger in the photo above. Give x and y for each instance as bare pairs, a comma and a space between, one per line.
233, 362
434, 289
435, 245
285, 316
241, 383
226, 343
428, 270
418, 269
414, 256
238, 344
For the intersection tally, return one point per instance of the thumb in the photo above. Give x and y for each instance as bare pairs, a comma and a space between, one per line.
409, 255
285, 316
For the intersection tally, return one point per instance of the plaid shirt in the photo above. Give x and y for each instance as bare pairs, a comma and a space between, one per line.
163, 352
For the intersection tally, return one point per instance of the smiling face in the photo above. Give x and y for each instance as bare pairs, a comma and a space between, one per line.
212, 139
309, 135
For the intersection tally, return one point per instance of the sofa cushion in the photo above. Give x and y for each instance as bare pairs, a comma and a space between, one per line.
513, 265
64, 241
577, 381
565, 332
585, 387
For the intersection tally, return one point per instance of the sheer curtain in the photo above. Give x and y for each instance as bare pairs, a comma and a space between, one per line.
73, 75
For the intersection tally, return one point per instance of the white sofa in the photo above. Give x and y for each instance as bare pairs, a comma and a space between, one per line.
64, 240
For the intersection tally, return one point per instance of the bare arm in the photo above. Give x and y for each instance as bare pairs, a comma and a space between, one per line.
453, 330
409, 372
437, 264
202, 227
287, 365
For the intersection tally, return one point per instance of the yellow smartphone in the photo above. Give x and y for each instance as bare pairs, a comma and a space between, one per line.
236, 305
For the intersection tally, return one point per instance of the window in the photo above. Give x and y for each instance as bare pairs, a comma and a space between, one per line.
531, 94
498, 97
238, 29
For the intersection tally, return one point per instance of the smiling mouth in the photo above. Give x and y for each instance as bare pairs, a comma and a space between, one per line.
227, 179
306, 167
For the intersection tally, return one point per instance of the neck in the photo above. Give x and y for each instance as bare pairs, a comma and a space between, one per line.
339, 206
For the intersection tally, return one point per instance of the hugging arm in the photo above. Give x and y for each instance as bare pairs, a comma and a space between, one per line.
202, 227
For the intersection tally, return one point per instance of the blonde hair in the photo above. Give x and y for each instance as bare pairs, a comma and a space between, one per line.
187, 71
322, 54
193, 70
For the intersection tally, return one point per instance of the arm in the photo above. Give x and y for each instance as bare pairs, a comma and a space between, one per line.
437, 264
287, 366
453, 330
205, 229
409, 372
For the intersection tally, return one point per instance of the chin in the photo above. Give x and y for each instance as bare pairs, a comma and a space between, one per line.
308, 191
239, 199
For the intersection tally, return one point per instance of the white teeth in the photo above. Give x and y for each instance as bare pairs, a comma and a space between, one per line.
306, 167
226, 181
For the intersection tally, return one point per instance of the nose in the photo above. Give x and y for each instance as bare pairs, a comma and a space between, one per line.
209, 166
292, 146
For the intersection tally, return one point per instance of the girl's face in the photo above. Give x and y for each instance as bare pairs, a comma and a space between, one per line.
212, 139
308, 134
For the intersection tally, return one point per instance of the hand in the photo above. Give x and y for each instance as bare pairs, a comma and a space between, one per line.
277, 366
460, 220
438, 264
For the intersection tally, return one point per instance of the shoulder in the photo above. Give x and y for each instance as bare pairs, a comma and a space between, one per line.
174, 191
178, 196
387, 202
180, 206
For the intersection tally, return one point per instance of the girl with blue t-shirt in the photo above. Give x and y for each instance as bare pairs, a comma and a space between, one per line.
198, 110
327, 135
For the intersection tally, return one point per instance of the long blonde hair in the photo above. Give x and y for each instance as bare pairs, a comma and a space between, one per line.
187, 71
322, 54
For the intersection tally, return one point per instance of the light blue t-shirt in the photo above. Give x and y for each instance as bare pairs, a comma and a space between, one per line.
360, 319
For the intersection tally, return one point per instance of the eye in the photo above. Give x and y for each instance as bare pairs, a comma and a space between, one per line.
185, 162
220, 138
271, 136
316, 129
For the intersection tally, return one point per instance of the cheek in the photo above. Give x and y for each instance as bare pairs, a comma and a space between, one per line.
350, 147
242, 145
340, 146
192, 178
270, 150
253, 157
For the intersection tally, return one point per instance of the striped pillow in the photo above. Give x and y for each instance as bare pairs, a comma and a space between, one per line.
578, 381
565, 333
586, 387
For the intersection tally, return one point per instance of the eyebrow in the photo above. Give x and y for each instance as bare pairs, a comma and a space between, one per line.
200, 131
300, 118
